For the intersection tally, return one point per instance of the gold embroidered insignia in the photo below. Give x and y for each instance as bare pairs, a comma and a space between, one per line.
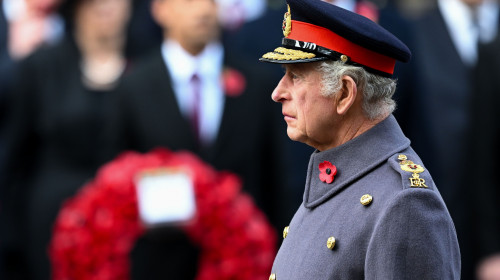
287, 23
288, 54
409, 166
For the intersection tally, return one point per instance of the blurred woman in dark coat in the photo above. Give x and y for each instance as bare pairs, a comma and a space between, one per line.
59, 107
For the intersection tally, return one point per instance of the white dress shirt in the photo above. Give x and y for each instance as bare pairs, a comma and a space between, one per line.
467, 29
208, 65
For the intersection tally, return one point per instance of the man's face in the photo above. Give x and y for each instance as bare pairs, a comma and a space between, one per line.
311, 117
188, 21
104, 18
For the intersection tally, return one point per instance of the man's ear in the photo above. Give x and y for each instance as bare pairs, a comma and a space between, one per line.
347, 96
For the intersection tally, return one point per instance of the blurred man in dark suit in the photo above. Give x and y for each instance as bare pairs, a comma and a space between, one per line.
192, 95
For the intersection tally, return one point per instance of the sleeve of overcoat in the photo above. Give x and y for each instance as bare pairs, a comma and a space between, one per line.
414, 239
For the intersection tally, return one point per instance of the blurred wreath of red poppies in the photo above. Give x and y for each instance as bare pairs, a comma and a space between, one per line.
96, 230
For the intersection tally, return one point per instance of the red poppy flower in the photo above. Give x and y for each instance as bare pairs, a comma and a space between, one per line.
234, 82
327, 171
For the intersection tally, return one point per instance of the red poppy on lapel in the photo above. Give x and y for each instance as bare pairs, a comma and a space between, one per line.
234, 82
327, 171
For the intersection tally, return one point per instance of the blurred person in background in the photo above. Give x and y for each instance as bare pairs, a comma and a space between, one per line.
483, 152
440, 120
25, 25
190, 94
59, 103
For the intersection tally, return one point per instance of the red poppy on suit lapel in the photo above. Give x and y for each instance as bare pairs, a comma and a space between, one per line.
234, 82
327, 171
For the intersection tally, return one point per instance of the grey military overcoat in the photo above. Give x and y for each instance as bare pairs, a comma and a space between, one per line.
401, 228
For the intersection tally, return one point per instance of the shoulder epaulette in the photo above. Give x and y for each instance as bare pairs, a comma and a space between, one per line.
413, 175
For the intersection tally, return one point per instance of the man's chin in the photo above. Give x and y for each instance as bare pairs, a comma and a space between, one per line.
204, 37
293, 135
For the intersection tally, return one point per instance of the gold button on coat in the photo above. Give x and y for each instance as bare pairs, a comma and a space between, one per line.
330, 243
366, 199
272, 277
285, 232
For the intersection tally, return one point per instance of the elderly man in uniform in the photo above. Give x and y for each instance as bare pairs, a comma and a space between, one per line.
371, 209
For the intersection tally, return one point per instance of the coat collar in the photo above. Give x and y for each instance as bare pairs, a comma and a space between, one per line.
353, 160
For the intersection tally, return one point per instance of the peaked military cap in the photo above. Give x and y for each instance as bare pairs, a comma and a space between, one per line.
315, 30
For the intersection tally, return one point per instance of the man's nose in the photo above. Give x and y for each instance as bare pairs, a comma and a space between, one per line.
279, 93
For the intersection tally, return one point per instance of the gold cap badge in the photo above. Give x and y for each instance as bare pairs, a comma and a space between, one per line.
287, 23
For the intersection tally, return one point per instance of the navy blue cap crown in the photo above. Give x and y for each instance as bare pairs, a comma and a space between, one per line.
315, 30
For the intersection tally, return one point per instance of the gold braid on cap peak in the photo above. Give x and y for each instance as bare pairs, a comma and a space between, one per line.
287, 54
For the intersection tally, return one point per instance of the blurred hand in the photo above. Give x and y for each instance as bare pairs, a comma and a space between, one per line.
489, 268
25, 35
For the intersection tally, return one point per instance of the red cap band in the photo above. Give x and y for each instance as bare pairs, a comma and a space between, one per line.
306, 32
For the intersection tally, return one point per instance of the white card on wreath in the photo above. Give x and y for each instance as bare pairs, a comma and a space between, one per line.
165, 196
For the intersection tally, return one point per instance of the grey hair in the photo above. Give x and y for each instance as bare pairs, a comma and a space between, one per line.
377, 91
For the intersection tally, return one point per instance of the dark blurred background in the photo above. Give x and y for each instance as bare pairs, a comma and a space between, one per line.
83, 80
